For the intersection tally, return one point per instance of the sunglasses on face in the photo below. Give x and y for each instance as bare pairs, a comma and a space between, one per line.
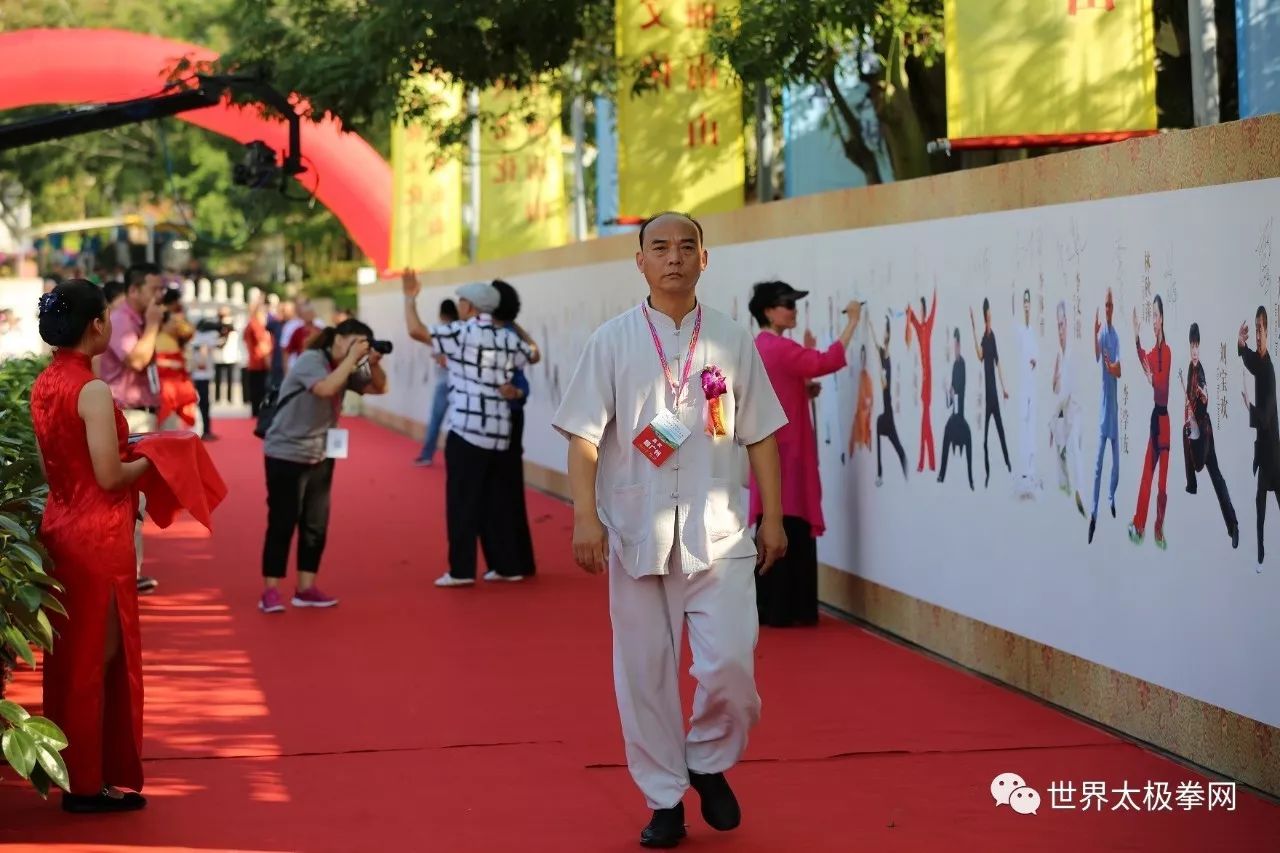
789, 304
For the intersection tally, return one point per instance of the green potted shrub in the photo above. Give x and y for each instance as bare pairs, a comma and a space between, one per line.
31, 745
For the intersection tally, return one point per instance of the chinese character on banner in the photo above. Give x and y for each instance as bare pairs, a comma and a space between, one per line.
1074, 6
1062, 795
1124, 420
505, 170
1157, 797
1146, 287
1126, 796
702, 74
1222, 795
702, 132
1222, 386
700, 15
659, 66
654, 10
1190, 795
1096, 791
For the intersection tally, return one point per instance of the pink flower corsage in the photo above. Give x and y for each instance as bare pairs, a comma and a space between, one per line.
714, 385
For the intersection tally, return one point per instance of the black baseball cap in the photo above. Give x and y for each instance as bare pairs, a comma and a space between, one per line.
768, 294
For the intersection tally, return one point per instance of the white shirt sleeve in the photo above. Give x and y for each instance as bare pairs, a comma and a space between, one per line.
759, 414
590, 399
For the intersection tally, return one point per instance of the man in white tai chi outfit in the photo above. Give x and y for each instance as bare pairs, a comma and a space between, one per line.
658, 501
1028, 482
1064, 427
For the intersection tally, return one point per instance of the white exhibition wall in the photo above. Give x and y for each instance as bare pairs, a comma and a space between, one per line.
21, 334
1199, 617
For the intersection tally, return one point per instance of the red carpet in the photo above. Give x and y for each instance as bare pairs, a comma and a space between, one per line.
482, 719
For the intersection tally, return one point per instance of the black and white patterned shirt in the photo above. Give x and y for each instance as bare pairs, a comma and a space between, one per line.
481, 359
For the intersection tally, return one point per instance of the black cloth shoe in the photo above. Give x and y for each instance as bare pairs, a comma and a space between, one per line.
719, 805
98, 803
665, 828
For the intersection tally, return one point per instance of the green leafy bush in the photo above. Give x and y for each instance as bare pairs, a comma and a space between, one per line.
31, 745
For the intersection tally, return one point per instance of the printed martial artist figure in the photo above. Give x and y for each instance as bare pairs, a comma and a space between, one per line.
671, 527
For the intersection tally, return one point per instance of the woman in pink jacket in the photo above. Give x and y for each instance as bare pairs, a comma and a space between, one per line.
788, 594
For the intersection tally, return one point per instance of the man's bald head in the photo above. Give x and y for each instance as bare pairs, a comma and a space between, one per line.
644, 226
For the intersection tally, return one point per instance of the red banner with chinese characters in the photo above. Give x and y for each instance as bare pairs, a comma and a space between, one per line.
680, 145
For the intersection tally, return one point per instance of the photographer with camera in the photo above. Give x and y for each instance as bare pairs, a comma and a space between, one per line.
301, 445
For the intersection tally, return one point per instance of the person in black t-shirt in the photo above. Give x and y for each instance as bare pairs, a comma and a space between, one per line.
957, 433
885, 426
990, 358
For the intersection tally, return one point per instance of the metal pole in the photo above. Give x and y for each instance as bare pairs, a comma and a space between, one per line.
473, 107
1204, 61
764, 143
578, 122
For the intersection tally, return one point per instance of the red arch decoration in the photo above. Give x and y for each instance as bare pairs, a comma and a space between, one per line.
84, 66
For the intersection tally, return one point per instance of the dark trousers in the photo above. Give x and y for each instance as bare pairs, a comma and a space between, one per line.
1265, 486
993, 411
956, 435
297, 497
255, 388
512, 502
223, 375
886, 428
1199, 454
787, 594
202, 390
476, 507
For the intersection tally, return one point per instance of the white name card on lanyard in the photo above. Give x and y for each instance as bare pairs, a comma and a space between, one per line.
336, 444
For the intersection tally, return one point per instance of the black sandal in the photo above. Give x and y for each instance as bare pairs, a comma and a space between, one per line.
103, 802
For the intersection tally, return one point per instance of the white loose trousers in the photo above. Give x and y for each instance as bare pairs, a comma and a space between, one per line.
648, 615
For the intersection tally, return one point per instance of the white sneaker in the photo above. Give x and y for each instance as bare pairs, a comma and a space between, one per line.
447, 579
494, 576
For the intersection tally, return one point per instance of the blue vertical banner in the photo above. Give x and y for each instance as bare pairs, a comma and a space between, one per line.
1258, 56
813, 153
607, 170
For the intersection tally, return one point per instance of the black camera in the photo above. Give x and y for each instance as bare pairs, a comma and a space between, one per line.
383, 347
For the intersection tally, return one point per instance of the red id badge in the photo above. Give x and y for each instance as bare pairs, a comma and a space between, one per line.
661, 438
652, 446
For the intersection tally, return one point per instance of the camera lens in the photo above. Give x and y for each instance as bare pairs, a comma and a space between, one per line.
383, 347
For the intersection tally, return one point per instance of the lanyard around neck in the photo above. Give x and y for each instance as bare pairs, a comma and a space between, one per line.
677, 390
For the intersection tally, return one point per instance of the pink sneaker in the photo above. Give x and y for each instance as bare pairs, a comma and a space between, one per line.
271, 602
313, 598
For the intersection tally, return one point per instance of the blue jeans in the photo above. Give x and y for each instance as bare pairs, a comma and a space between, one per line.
1109, 434
439, 408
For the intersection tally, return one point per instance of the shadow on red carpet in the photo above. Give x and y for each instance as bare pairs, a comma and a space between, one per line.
482, 719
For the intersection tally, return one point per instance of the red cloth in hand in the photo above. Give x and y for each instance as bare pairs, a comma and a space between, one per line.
181, 476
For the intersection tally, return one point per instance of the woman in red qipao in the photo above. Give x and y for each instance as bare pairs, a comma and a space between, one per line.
93, 676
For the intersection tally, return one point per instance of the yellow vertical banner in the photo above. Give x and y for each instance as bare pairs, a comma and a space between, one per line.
1044, 72
426, 186
680, 144
522, 199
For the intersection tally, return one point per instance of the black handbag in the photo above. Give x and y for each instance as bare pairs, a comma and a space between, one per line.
270, 406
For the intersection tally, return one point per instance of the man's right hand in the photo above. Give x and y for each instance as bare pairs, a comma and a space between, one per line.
590, 544
409, 283
155, 314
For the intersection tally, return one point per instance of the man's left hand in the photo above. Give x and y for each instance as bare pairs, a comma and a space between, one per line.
771, 545
815, 388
